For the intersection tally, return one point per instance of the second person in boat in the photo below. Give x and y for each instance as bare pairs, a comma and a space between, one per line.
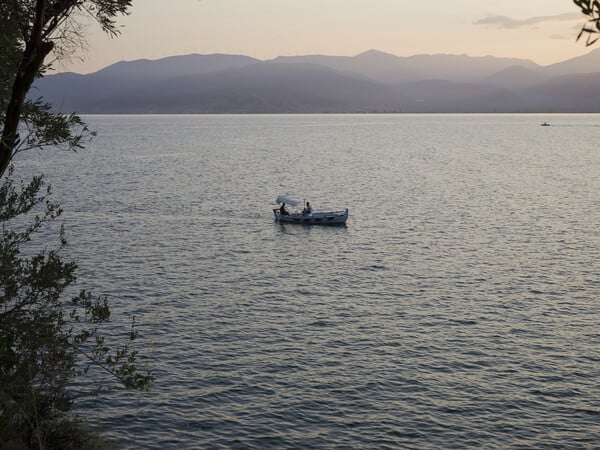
307, 209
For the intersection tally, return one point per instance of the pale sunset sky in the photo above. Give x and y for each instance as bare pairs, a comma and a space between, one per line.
541, 30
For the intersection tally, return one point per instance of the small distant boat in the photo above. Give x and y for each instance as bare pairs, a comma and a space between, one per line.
309, 218
545, 124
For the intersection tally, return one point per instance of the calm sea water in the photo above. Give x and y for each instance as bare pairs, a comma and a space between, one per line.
458, 308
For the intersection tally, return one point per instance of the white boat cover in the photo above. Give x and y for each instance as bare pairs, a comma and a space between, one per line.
288, 201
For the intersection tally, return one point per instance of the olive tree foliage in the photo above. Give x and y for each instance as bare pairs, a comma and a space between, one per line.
46, 341
50, 334
30, 31
591, 9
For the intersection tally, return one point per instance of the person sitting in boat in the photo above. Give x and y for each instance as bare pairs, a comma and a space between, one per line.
307, 209
283, 211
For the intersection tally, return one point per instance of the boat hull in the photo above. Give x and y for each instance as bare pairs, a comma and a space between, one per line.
317, 218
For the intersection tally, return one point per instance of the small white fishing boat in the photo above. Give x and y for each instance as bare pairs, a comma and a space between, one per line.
307, 216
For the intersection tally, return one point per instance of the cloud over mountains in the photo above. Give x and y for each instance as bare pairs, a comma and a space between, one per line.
504, 22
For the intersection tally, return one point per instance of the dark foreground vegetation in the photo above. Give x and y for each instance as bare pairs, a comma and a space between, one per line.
50, 334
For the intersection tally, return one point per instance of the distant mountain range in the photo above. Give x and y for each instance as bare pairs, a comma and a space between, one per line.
369, 82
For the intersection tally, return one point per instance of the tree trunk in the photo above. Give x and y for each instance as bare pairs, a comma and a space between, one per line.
35, 52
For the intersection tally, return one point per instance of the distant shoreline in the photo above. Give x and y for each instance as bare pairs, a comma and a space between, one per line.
353, 114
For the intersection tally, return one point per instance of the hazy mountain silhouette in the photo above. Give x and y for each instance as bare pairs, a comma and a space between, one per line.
375, 65
174, 66
588, 63
372, 81
256, 88
391, 69
515, 77
558, 94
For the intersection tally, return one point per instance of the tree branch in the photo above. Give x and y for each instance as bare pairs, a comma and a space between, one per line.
36, 49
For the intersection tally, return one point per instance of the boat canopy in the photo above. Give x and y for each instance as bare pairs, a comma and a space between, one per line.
288, 201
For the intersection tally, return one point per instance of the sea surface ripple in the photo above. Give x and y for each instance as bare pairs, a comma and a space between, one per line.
458, 308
